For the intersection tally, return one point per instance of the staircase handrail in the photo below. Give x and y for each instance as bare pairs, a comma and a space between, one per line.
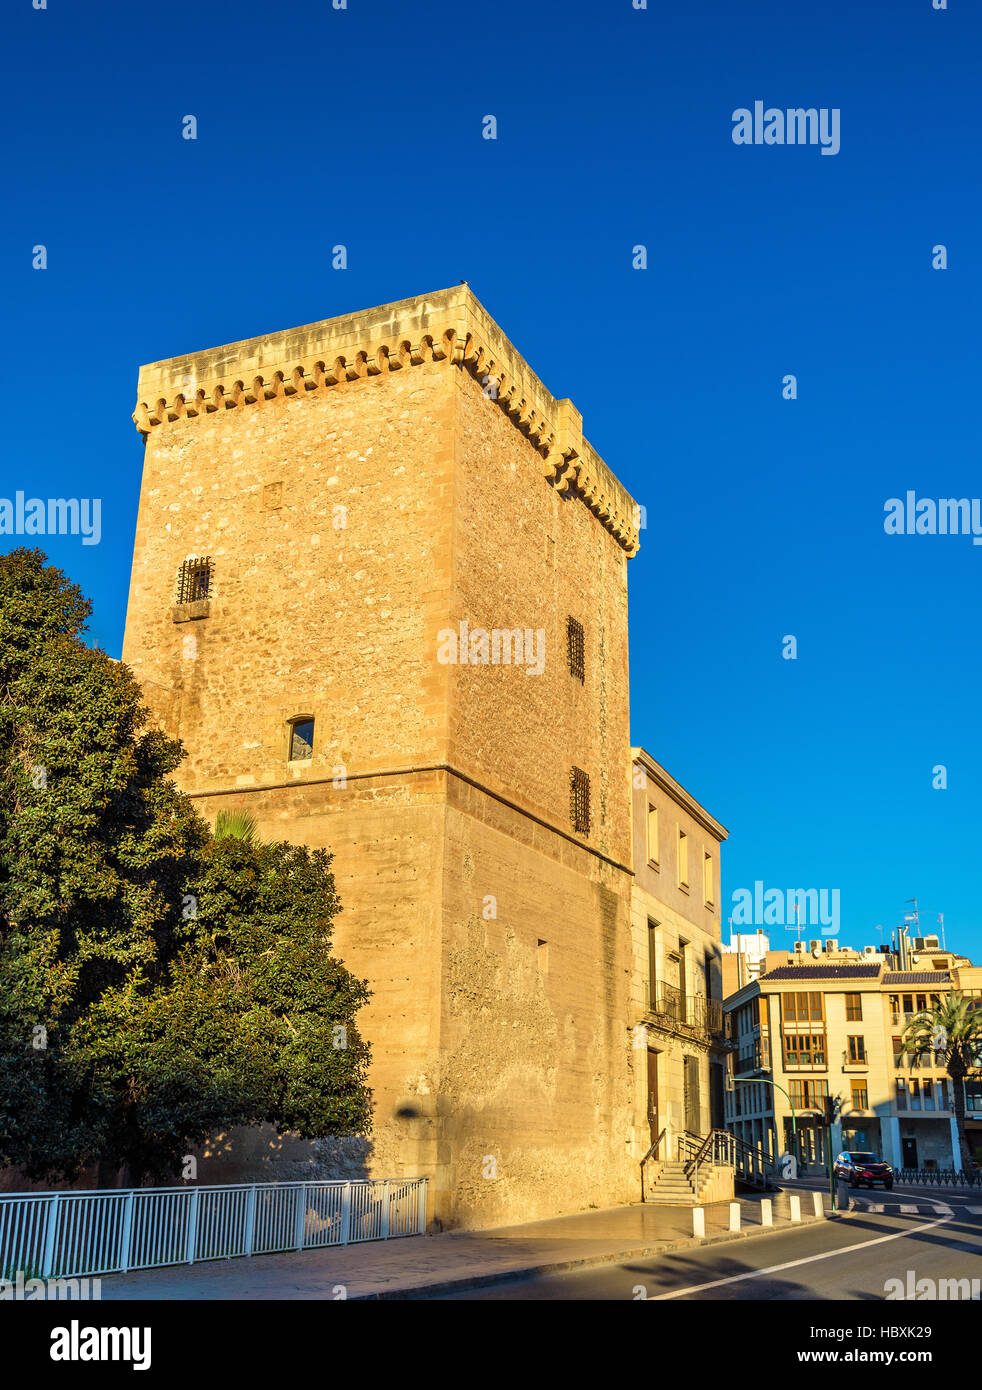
651, 1152
654, 1148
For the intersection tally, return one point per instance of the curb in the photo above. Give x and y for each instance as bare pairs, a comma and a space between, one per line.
479, 1281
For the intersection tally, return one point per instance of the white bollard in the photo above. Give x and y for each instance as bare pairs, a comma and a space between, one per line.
795, 1203
698, 1223
734, 1216
767, 1212
819, 1202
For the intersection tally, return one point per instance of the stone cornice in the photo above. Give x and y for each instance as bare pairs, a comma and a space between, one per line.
679, 794
450, 326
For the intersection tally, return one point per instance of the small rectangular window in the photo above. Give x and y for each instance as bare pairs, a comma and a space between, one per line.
854, 1007
194, 580
652, 962
857, 1049
652, 834
683, 859
579, 800
859, 1097
575, 649
301, 739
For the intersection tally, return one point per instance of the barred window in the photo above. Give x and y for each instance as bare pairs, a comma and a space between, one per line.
194, 580
575, 649
579, 800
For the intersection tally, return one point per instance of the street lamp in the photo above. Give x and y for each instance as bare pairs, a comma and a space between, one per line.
731, 1081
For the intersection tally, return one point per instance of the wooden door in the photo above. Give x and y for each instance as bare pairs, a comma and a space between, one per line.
653, 1121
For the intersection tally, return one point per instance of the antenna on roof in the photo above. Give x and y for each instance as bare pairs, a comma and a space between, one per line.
797, 918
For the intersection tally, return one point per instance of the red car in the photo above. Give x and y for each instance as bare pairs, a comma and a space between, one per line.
863, 1170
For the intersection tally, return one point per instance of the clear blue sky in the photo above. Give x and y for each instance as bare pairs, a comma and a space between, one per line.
364, 126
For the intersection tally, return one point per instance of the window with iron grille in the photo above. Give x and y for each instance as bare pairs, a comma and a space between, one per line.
579, 800
194, 580
575, 649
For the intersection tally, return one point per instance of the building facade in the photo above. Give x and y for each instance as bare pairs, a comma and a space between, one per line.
821, 1021
743, 959
379, 590
677, 998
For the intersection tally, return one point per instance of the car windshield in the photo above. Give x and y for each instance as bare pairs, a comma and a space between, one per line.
864, 1158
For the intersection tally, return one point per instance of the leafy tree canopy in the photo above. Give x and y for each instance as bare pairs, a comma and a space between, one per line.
157, 983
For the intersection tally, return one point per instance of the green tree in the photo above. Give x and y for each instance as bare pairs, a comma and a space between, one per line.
952, 1031
156, 982
240, 825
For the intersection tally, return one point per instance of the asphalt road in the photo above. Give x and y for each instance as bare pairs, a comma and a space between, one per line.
848, 1258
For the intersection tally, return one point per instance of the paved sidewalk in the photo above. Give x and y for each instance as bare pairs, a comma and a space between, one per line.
410, 1266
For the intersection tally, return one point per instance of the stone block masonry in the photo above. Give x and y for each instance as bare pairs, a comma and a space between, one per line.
360, 485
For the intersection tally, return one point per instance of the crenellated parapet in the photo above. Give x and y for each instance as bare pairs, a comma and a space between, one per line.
451, 326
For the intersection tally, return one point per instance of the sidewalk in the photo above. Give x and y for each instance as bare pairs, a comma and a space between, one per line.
411, 1266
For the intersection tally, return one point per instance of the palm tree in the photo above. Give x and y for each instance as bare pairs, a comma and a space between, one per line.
952, 1030
236, 825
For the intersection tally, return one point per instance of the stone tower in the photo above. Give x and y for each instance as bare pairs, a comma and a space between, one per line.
361, 488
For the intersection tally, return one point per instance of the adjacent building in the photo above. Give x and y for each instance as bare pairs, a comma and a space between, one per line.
678, 969
823, 1021
743, 959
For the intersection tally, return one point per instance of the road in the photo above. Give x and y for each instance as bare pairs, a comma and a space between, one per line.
889, 1236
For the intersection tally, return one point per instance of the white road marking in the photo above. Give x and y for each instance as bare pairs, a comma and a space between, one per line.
975, 1211
909, 1210
940, 1210
874, 1207
793, 1264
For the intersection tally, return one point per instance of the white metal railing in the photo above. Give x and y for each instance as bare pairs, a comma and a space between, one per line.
62, 1235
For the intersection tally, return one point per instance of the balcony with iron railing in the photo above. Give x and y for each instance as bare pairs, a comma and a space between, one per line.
900, 1018
917, 1061
694, 1013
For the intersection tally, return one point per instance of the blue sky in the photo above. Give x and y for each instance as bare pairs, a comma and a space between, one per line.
765, 516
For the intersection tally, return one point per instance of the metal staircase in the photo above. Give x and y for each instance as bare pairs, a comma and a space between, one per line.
682, 1181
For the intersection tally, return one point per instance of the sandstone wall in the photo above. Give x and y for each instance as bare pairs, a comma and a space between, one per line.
348, 526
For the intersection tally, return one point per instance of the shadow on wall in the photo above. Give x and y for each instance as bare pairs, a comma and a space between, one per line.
239, 1155
260, 1154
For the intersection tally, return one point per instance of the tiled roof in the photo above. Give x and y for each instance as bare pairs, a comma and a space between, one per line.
917, 977
823, 972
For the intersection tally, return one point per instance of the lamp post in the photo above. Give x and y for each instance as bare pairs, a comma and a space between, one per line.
750, 1080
